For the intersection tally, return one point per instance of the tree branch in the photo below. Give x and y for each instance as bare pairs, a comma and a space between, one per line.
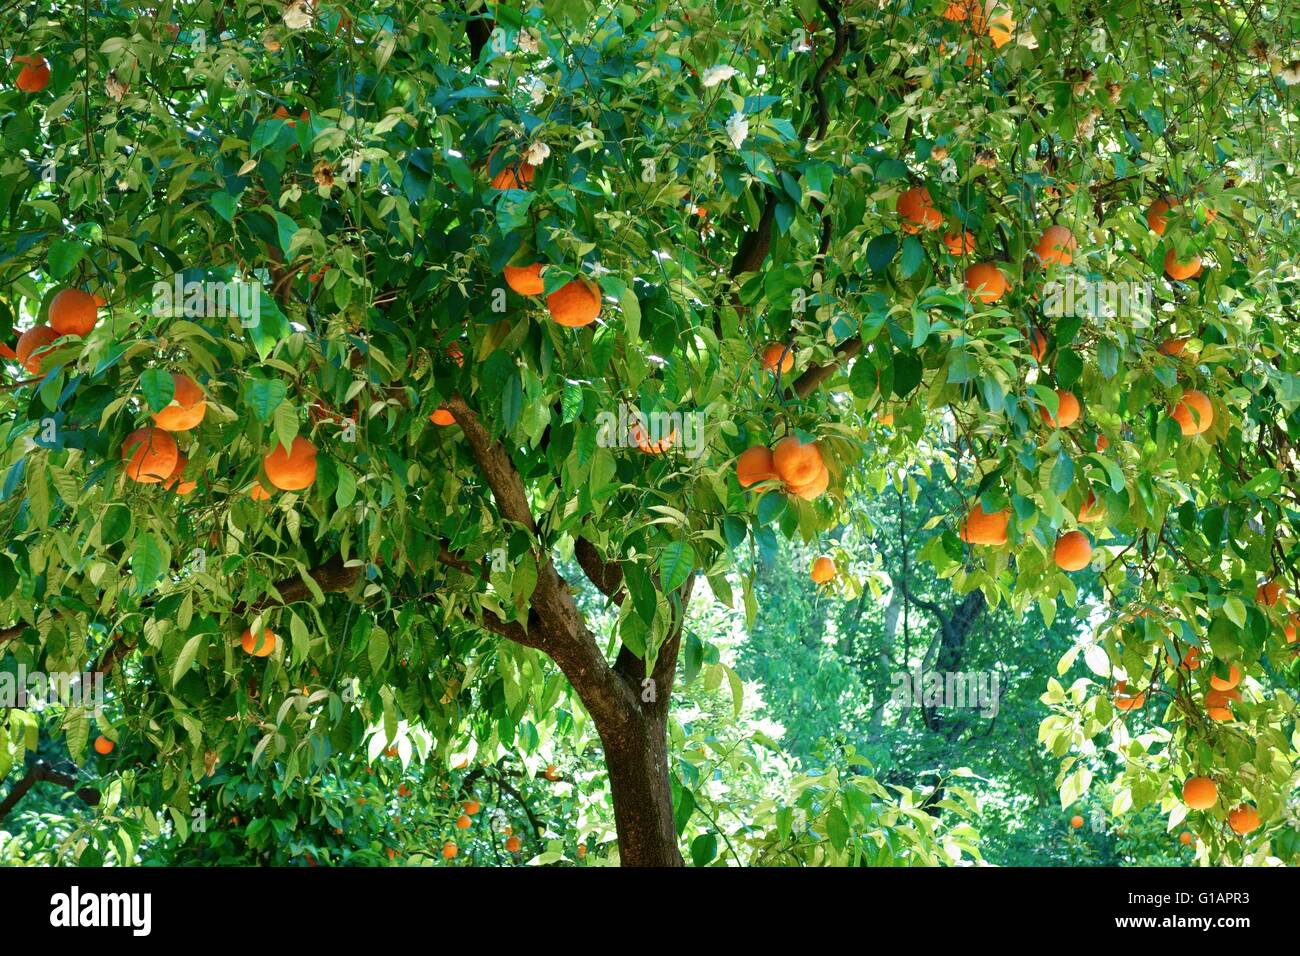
41, 771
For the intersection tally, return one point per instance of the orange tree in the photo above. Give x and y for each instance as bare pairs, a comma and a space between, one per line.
336, 323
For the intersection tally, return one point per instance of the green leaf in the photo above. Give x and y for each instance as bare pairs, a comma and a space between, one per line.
264, 396
703, 849
159, 388
186, 657
675, 563
64, 256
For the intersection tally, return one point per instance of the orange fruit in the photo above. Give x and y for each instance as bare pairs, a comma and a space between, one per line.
1185, 838
294, 469
1180, 269
958, 10
34, 75
1056, 244
1268, 593
776, 352
470, 806
448, 850
150, 455
403, 791
916, 207
640, 437
526, 280
796, 463
513, 844
582, 850
1172, 347
1244, 820
1200, 793
980, 527
1194, 413
454, 353
29, 348
186, 408
103, 746
175, 482
575, 303
1289, 629
257, 492
1218, 703
463, 822
1091, 510
1158, 214
552, 773
754, 465
813, 489
1067, 410
73, 312
1102, 442
995, 20
263, 645
1076, 821
1037, 344
442, 416
1226, 683
1190, 659
986, 282
823, 570
1073, 551
959, 242
509, 176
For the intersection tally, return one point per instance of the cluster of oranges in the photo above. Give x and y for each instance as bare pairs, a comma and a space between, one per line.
798, 465
1202, 793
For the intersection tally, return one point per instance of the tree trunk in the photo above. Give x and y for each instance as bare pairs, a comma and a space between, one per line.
636, 756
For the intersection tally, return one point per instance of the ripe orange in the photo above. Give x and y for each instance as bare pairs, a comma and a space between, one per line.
1172, 347
754, 465
1200, 793
582, 850
823, 570
999, 27
509, 176
1076, 821
1185, 838
917, 209
1127, 701
150, 455
1244, 820
776, 352
552, 773
1158, 214
959, 242
463, 822
957, 10
1056, 244
1037, 344
575, 303
640, 437
526, 280
470, 806
175, 482
1194, 413
1218, 703
1190, 659
263, 645
814, 488
1226, 683
980, 527
103, 746
513, 844
258, 492
29, 348
442, 416
1268, 593
73, 312
448, 850
403, 790
797, 464
186, 408
35, 74
1067, 410
1102, 442
1290, 628
1091, 510
294, 469
1180, 270
1073, 551
986, 282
